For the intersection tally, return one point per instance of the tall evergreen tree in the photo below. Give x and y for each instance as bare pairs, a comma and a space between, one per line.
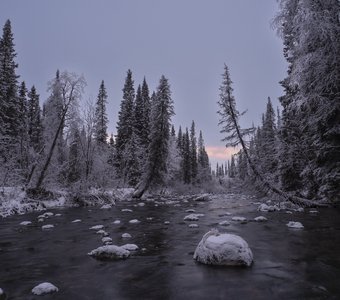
193, 152
162, 110
146, 114
34, 120
125, 124
9, 104
186, 160
101, 119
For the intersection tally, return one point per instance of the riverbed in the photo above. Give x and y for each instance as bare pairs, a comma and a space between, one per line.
288, 263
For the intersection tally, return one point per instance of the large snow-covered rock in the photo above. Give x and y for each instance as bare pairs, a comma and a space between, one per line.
193, 217
296, 225
44, 288
47, 226
25, 223
260, 219
223, 249
268, 208
130, 247
97, 227
110, 252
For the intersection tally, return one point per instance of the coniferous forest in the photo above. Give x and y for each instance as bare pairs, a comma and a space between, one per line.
63, 141
87, 212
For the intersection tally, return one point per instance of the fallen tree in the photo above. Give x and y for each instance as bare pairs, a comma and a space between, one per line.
235, 136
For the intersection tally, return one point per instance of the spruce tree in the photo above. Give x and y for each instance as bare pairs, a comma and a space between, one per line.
23, 127
125, 124
146, 114
101, 119
9, 104
193, 152
34, 121
186, 160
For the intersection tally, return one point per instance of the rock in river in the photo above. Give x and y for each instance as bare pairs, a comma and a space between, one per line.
223, 249
110, 252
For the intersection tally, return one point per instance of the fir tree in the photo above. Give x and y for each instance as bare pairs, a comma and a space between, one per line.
186, 160
193, 152
101, 119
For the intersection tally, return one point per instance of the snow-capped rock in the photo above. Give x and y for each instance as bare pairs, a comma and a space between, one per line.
44, 288
106, 239
193, 226
97, 227
224, 223
223, 249
260, 219
106, 206
76, 221
116, 222
239, 219
110, 252
127, 210
166, 222
141, 204
296, 225
2, 294
313, 211
41, 220
25, 223
126, 235
193, 217
299, 209
134, 221
47, 226
149, 218
57, 215
102, 232
191, 210
130, 247
268, 208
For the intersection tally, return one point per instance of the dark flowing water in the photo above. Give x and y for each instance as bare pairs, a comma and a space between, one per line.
288, 263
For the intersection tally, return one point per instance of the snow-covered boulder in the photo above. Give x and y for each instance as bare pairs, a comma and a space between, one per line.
260, 219
130, 247
239, 219
41, 220
193, 225
268, 208
296, 225
102, 232
57, 215
127, 210
97, 227
313, 211
76, 221
223, 249
116, 222
109, 252
2, 294
190, 210
224, 223
299, 209
47, 226
106, 240
166, 222
44, 288
25, 223
126, 235
106, 206
193, 217
134, 221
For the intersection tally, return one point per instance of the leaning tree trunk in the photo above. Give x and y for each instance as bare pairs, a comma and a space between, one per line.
266, 183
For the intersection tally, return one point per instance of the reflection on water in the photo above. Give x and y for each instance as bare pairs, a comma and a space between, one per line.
289, 264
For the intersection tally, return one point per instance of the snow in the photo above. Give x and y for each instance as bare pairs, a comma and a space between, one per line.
193, 217
127, 210
268, 208
96, 227
57, 215
149, 218
141, 204
25, 223
239, 219
203, 197
116, 222
41, 220
193, 226
47, 226
106, 239
1, 292
313, 211
223, 249
166, 222
296, 225
44, 288
134, 221
191, 210
102, 232
130, 247
126, 235
106, 206
110, 252
260, 219
224, 223
76, 221
300, 209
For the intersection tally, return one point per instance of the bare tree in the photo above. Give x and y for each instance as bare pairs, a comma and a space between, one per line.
72, 87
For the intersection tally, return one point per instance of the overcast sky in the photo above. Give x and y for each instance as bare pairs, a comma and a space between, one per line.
186, 40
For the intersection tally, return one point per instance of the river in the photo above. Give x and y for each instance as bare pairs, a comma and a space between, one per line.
288, 263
